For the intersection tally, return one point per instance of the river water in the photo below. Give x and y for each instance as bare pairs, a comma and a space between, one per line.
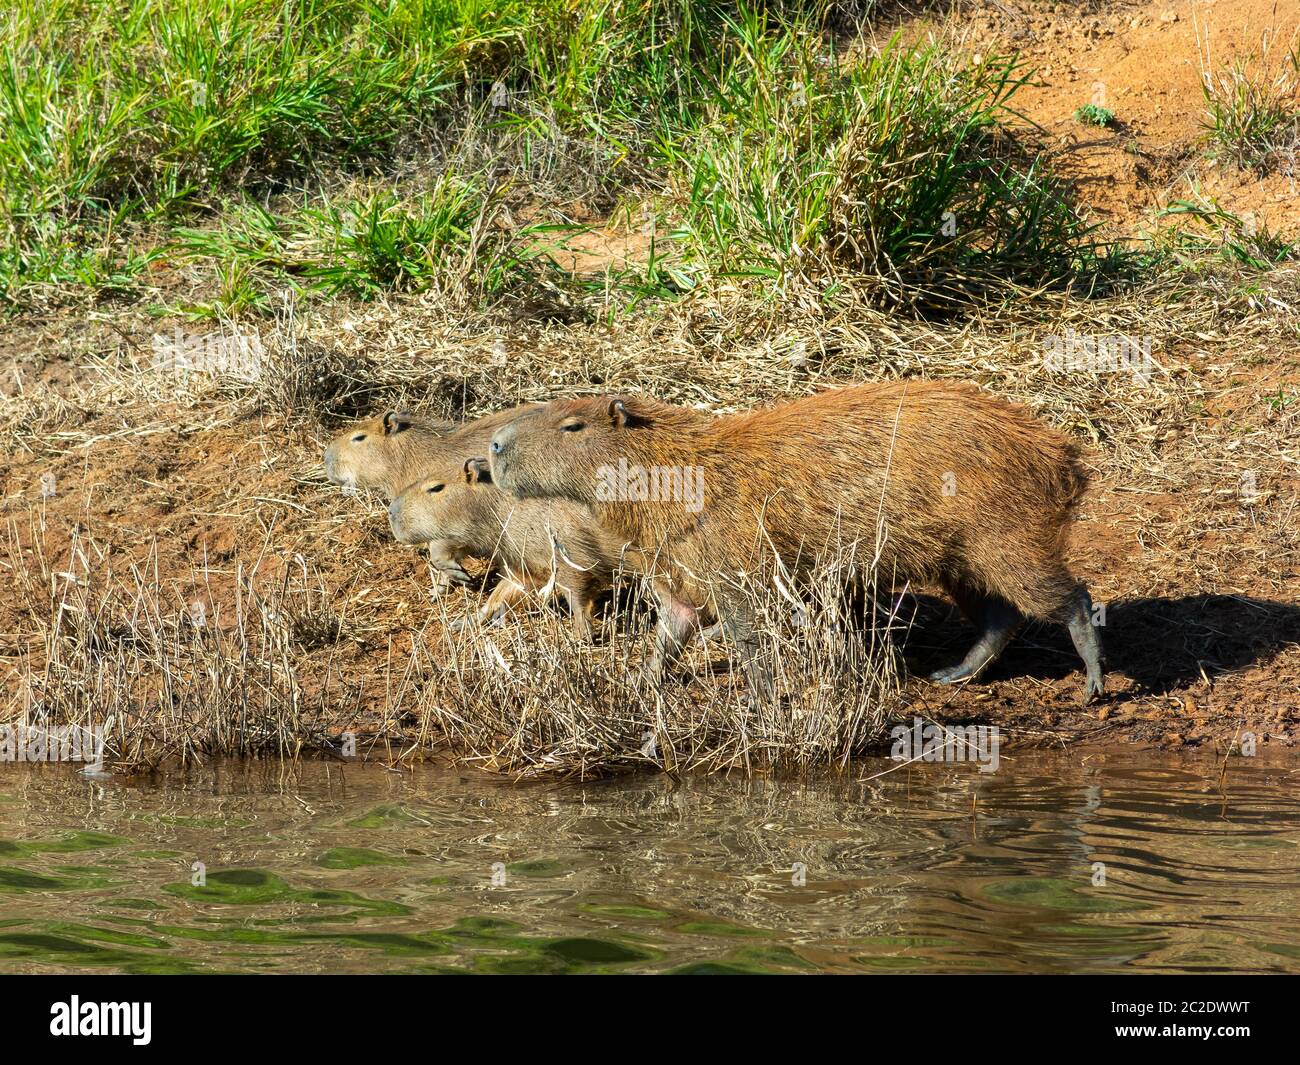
1057, 862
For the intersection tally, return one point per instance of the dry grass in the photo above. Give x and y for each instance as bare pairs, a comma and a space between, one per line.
533, 699
206, 488
174, 676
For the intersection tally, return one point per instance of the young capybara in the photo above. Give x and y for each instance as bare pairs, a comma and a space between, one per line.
389, 452
536, 543
942, 482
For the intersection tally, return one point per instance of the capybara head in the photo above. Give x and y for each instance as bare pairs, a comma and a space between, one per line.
564, 448
455, 505
376, 453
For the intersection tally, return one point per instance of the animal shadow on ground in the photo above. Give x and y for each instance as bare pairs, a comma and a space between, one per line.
1161, 644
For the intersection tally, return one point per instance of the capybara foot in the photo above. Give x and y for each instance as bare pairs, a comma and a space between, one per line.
952, 674
452, 574
479, 621
713, 632
998, 621
1083, 632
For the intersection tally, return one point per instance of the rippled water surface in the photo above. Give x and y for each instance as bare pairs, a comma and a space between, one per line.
934, 868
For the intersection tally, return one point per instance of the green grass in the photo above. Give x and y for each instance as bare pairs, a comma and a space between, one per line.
898, 170
1252, 114
348, 148
1214, 232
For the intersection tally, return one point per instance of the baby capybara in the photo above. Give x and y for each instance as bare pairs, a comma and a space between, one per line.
945, 483
389, 452
536, 543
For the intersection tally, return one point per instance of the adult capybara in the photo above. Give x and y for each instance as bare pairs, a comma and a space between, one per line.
537, 544
945, 483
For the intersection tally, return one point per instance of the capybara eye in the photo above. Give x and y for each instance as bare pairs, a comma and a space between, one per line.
358, 438
573, 427
435, 488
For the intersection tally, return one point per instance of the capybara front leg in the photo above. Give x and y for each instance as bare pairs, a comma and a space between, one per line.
678, 622
581, 608
498, 603
997, 621
1086, 641
447, 569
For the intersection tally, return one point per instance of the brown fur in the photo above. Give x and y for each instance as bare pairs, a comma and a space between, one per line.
389, 452
816, 475
458, 512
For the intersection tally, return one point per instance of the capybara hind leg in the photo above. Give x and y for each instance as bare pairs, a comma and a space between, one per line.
1086, 641
997, 621
738, 626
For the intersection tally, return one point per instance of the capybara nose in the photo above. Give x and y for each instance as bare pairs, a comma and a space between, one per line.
501, 439
394, 511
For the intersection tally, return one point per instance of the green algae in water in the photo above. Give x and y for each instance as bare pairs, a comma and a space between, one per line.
14, 880
718, 928
589, 951
70, 843
355, 858
771, 958
542, 868
387, 817
625, 911
257, 887
1054, 894
235, 887
902, 941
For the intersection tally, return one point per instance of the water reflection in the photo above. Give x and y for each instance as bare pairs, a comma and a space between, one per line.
1059, 862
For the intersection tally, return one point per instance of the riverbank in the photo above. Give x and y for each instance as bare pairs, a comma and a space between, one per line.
174, 559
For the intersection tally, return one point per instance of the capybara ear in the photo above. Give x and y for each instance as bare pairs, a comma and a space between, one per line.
618, 414
477, 471
396, 422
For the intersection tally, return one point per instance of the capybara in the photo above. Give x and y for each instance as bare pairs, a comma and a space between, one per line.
945, 483
389, 452
537, 544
